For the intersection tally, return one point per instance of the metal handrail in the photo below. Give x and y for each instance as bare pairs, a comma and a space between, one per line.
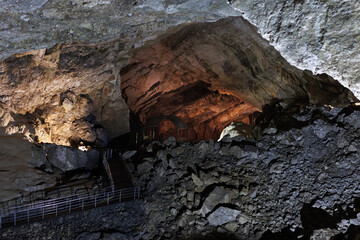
50, 201
59, 206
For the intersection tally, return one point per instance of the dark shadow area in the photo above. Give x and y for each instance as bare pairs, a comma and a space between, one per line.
285, 234
353, 233
212, 236
315, 218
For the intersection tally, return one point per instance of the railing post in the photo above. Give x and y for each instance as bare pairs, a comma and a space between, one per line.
70, 206
108, 199
28, 216
82, 205
43, 212
95, 200
56, 209
14, 218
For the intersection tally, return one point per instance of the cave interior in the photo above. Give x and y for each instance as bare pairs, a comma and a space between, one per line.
189, 85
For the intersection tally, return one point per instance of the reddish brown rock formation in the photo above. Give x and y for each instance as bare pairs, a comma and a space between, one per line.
207, 74
212, 74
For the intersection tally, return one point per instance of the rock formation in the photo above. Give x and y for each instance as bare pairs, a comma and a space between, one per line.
40, 24
292, 184
64, 94
204, 74
211, 74
82, 72
28, 168
20, 172
322, 36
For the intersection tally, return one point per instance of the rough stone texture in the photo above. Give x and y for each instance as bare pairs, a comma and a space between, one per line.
32, 83
27, 168
67, 159
240, 131
39, 24
218, 195
222, 215
301, 181
112, 221
61, 95
242, 70
71, 93
211, 74
322, 36
18, 161
324, 234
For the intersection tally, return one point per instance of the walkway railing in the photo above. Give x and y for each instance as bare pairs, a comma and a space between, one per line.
59, 206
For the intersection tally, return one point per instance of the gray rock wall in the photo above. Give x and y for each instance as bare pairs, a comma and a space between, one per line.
301, 181
322, 36
26, 168
29, 25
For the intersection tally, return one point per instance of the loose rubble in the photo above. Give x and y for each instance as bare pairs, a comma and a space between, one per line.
302, 182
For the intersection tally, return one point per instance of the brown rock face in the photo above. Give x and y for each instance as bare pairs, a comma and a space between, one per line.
60, 95
206, 74
211, 74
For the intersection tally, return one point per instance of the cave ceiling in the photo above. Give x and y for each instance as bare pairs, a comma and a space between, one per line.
72, 70
322, 36
211, 74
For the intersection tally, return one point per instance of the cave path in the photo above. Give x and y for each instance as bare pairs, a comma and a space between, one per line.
120, 172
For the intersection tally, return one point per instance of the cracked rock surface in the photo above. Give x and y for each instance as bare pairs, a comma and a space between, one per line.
38, 24
322, 36
299, 181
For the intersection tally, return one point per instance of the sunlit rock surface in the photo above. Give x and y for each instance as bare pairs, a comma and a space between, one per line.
322, 36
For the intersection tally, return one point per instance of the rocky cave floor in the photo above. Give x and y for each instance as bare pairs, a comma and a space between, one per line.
300, 183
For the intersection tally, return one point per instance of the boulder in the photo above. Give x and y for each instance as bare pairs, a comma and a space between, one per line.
171, 141
222, 215
144, 168
324, 234
128, 154
237, 131
217, 196
20, 168
67, 159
